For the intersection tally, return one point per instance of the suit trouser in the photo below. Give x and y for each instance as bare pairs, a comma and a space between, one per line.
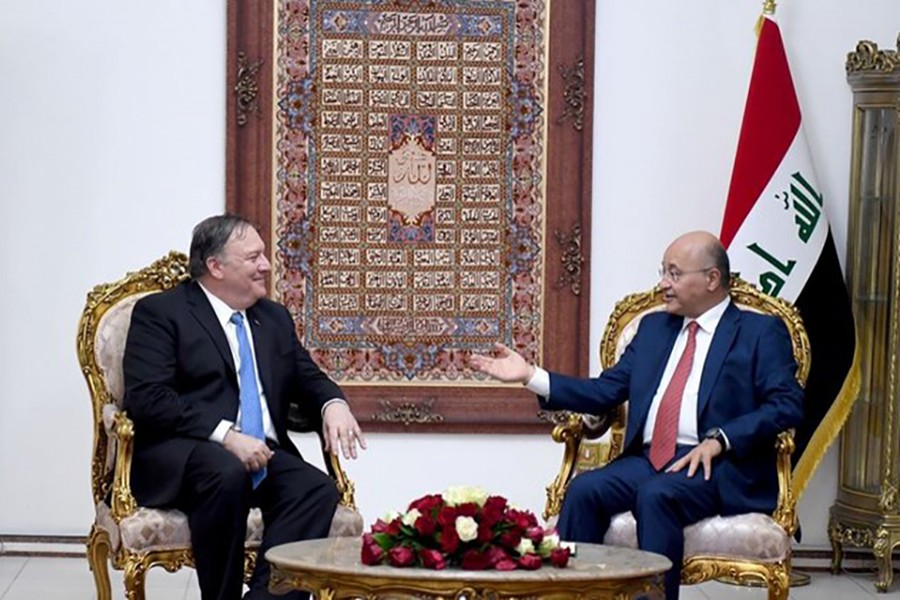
663, 504
297, 502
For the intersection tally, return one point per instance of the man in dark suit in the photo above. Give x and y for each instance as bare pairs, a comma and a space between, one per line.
210, 368
709, 387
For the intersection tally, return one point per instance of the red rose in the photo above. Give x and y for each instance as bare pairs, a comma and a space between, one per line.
432, 559
511, 538
379, 526
523, 518
507, 565
496, 554
372, 554
426, 504
449, 538
485, 533
473, 560
530, 562
535, 534
393, 528
401, 556
560, 557
469, 509
497, 503
447, 516
425, 525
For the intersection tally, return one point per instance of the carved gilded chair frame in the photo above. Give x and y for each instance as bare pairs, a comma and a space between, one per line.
114, 432
577, 428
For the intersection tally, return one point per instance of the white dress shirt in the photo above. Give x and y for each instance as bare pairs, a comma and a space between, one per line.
223, 314
687, 422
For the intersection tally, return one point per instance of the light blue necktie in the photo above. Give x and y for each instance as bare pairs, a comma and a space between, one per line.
251, 409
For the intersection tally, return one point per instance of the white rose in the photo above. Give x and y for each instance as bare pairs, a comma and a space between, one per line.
410, 517
466, 528
548, 544
525, 547
390, 516
464, 494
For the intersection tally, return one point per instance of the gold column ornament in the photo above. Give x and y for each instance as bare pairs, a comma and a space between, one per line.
246, 88
573, 94
769, 7
867, 57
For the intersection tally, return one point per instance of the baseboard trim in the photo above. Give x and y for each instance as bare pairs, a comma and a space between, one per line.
856, 560
51, 546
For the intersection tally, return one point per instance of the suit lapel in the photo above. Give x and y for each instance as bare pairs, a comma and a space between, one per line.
262, 345
667, 336
202, 310
726, 331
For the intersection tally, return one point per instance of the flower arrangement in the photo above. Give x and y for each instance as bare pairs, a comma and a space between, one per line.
465, 527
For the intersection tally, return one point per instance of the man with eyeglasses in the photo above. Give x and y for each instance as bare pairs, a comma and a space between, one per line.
709, 387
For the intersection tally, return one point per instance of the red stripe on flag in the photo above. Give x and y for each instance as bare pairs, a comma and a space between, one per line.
771, 120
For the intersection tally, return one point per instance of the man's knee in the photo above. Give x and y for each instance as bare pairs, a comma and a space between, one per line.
653, 495
582, 491
230, 479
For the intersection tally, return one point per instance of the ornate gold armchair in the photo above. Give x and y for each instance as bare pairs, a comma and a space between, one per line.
750, 548
136, 538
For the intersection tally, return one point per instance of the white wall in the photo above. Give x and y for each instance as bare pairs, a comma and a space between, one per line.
112, 147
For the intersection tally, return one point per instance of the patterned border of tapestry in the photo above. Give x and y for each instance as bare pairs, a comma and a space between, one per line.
420, 170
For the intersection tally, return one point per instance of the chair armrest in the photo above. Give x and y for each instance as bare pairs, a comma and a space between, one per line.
595, 426
312, 423
569, 433
786, 509
123, 502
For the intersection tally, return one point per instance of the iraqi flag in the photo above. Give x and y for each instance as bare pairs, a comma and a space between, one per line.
777, 235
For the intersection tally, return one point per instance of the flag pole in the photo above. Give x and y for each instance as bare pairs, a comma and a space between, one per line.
768, 10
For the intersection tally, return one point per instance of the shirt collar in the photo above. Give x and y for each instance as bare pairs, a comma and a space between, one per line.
222, 310
709, 320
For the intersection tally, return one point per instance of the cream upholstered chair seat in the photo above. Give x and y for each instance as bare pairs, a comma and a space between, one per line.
133, 537
737, 537
749, 547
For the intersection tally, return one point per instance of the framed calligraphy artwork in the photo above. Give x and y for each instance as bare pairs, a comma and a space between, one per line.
422, 177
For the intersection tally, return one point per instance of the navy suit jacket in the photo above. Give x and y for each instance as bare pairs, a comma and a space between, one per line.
180, 381
747, 387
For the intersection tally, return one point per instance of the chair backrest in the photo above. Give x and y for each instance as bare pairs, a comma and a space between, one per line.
625, 318
102, 331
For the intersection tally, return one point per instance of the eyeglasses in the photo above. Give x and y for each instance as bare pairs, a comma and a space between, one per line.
673, 274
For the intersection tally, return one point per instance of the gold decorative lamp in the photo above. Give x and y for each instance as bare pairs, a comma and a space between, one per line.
867, 511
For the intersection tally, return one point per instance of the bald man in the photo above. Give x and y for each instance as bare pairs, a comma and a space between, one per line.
709, 387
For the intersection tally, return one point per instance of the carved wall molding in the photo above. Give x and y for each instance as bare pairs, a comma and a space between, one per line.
572, 259
573, 94
408, 413
246, 89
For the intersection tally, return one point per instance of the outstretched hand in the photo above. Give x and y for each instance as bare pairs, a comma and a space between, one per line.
506, 365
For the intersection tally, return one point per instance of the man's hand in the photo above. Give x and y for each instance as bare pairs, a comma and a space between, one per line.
507, 365
702, 453
251, 451
341, 429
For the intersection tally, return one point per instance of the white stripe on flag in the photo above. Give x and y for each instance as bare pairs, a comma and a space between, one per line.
769, 248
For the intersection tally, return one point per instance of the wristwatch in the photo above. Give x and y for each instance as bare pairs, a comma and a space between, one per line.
716, 434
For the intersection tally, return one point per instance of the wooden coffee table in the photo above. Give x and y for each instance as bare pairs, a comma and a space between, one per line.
331, 569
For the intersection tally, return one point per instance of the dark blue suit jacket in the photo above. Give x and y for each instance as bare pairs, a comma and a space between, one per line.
748, 388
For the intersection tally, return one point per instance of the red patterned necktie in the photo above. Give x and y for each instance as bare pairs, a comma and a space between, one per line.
665, 429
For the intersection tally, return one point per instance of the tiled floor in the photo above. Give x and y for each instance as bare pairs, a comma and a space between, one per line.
69, 579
